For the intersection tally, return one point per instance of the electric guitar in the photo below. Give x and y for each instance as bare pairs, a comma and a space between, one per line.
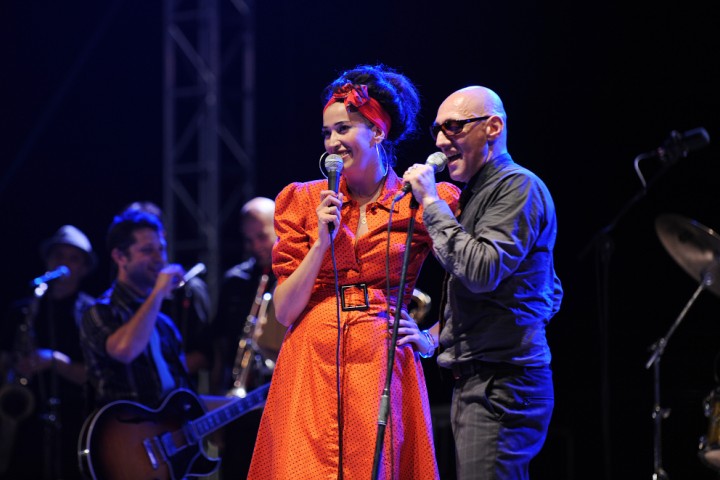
127, 440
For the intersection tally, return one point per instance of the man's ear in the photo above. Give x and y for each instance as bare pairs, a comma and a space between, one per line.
117, 255
494, 127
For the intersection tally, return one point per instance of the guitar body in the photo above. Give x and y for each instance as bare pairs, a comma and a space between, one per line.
125, 440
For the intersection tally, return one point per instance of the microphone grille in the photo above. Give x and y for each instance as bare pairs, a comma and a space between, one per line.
437, 160
198, 269
334, 163
696, 138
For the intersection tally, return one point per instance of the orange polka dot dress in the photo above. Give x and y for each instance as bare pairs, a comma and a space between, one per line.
300, 432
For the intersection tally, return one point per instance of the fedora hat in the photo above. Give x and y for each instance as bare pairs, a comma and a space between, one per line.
70, 235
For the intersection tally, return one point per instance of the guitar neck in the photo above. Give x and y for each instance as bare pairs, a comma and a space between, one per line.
227, 413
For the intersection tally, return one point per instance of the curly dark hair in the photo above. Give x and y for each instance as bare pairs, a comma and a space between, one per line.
394, 91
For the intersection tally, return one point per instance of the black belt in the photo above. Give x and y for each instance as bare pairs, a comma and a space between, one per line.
470, 368
354, 297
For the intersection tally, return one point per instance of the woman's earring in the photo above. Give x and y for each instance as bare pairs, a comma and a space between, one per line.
383, 158
321, 164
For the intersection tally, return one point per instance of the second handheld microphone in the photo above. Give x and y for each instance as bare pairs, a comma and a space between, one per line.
436, 160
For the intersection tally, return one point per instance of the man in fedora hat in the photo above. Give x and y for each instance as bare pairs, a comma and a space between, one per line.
40, 341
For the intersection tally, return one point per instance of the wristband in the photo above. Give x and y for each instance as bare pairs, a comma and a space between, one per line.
432, 342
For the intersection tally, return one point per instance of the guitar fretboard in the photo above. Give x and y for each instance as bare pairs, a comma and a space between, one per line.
227, 413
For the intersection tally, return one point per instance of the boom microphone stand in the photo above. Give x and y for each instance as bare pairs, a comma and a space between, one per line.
675, 147
385, 398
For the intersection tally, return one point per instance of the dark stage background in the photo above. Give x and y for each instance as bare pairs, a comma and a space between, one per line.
587, 88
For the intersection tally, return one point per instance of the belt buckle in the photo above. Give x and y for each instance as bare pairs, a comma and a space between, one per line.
363, 306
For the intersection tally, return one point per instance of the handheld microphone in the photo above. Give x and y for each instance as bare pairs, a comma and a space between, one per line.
334, 166
436, 160
678, 145
198, 269
60, 271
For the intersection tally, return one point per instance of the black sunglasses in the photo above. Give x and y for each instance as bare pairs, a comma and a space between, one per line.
452, 127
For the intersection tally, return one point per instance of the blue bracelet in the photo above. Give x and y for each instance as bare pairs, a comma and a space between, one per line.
432, 342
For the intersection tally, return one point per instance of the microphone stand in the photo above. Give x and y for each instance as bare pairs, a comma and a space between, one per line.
53, 420
385, 397
604, 247
48, 393
659, 413
669, 153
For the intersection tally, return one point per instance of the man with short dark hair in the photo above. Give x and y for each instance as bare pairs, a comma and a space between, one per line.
189, 307
132, 350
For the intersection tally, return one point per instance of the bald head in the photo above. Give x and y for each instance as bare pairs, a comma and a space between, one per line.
256, 218
479, 139
477, 101
259, 207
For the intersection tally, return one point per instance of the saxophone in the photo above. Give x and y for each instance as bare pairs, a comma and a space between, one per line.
17, 402
247, 353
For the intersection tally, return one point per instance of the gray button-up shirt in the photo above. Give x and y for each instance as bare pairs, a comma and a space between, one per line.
502, 289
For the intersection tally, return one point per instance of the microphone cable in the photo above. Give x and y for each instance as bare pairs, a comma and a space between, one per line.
387, 259
338, 342
385, 404
401, 295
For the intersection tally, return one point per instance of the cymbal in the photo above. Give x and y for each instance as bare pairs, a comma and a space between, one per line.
695, 247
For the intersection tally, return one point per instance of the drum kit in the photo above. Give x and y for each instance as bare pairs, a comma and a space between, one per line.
696, 248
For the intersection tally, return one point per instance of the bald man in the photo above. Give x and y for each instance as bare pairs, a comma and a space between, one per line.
256, 218
237, 294
501, 290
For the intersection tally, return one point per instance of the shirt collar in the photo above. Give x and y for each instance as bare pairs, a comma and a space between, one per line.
487, 170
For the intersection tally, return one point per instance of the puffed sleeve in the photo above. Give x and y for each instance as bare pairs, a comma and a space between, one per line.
450, 194
292, 210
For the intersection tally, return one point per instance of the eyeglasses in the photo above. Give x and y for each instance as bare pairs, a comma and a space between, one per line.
453, 127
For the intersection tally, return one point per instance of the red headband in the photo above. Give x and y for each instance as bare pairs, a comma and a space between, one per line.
357, 96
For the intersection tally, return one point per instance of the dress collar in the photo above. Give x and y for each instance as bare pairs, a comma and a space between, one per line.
390, 188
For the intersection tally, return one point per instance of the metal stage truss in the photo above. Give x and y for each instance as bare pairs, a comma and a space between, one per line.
208, 129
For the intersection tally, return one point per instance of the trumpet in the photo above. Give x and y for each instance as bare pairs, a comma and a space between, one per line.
247, 350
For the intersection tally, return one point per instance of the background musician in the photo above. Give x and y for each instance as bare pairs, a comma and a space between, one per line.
240, 287
40, 422
189, 307
134, 351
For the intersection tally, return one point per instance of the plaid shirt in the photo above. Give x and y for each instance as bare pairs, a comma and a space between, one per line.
139, 380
